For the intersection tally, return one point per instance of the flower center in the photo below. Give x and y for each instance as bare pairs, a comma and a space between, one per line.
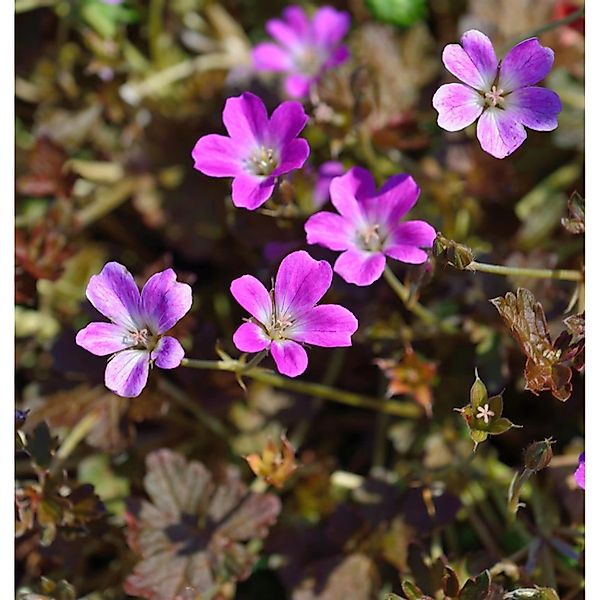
309, 61
142, 339
371, 238
279, 325
484, 412
262, 162
495, 97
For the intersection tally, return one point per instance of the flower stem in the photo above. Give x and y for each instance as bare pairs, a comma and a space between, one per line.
72, 440
564, 274
550, 26
415, 307
317, 390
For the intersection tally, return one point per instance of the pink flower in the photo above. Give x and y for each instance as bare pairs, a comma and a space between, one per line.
502, 95
580, 472
305, 48
258, 149
287, 317
327, 171
134, 336
368, 227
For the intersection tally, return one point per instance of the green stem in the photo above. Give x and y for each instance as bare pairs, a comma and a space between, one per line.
549, 26
415, 307
564, 274
22, 6
155, 22
72, 440
317, 390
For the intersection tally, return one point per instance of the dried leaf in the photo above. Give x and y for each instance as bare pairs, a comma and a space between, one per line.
193, 533
476, 589
575, 222
276, 463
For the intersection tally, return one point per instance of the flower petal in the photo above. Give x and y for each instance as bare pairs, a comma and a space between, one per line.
291, 358
296, 17
412, 233
298, 86
249, 337
406, 254
286, 122
115, 294
396, 197
300, 283
168, 353
458, 106
359, 267
355, 185
327, 171
330, 26
217, 156
127, 373
268, 56
327, 325
165, 301
249, 191
461, 65
339, 56
481, 52
499, 132
245, 118
535, 107
329, 230
281, 32
526, 64
252, 295
293, 156
103, 338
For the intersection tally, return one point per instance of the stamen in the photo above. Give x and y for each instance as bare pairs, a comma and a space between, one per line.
495, 96
371, 238
262, 162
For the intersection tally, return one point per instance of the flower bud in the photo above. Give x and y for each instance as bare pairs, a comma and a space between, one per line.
538, 455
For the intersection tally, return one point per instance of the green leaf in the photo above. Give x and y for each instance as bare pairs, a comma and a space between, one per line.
478, 394
398, 12
499, 426
411, 591
476, 589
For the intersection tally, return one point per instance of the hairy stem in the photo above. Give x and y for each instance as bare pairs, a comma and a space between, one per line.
564, 274
317, 390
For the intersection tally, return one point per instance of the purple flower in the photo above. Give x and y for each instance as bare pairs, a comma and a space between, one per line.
287, 317
258, 149
580, 472
305, 48
368, 227
138, 321
327, 171
502, 94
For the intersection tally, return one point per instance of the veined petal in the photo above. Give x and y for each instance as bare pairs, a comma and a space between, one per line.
525, 64
412, 233
300, 283
535, 107
249, 337
330, 26
499, 132
268, 56
286, 122
103, 338
245, 118
127, 373
252, 296
293, 156
360, 267
480, 50
460, 64
168, 353
115, 294
291, 358
346, 192
329, 230
396, 197
327, 325
217, 156
249, 191
164, 301
458, 106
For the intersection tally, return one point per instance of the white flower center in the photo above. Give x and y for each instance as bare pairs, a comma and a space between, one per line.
484, 412
495, 97
262, 162
142, 339
309, 61
371, 238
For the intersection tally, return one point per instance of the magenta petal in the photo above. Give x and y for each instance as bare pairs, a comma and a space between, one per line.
348, 189
291, 358
300, 283
165, 301
339, 56
249, 191
103, 338
327, 171
249, 337
459, 63
127, 372
458, 106
245, 118
396, 197
282, 33
217, 156
114, 293
298, 86
580, 472
359, 267
413, 233
168, 353
252, 296
330, 26
481, 52
499, 132
296, 17
327, 325
329, 230
535, 107
526, 64
271, 57
406, 254
286, 122
293, 156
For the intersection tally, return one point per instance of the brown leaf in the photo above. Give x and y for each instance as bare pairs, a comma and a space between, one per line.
276, 463
192, 534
